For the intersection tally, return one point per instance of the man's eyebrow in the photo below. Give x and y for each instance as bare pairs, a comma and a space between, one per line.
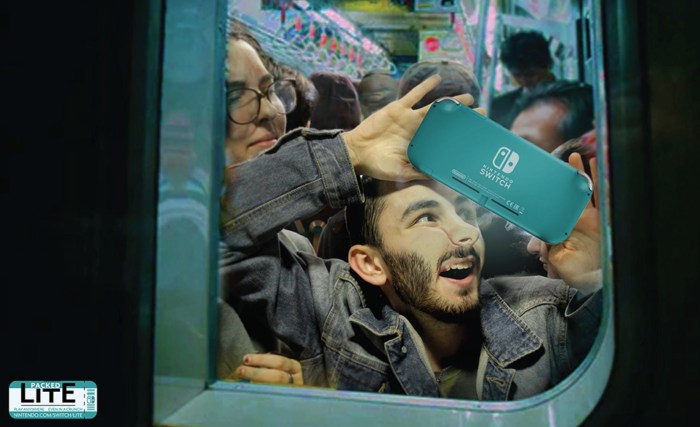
416, 206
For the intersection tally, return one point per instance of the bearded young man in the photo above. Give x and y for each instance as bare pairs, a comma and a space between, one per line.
409, 314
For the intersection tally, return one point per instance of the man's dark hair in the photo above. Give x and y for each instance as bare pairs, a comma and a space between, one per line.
361, 219
457, 79
307, 95
526, 50
577, 97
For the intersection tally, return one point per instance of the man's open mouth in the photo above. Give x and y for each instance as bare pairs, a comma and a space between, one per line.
458, 271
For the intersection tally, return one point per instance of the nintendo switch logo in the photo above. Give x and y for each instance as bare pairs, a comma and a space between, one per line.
506, 159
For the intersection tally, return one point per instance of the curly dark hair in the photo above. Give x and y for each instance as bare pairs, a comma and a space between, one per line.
526, 50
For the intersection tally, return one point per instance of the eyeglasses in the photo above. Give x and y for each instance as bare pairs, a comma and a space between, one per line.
244, 105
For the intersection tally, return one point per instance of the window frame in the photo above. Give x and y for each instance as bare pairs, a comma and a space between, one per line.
204, 401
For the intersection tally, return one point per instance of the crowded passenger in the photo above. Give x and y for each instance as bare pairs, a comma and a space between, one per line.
376, 90
457, 79
256, 108
554, 113
506, 246
410, 313
338, 106
526, 56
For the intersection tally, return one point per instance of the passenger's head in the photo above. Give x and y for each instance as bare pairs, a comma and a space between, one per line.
338, 106
526, 56
376, 90
457, 79
555, 112
254, 122
307, 95
586, 148
420, 243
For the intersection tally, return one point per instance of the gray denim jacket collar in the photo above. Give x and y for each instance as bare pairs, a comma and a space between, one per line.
506, 340
395, 337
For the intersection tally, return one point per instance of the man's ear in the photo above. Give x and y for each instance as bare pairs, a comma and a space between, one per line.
368, 264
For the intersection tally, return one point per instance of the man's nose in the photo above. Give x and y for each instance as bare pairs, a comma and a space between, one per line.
464, 234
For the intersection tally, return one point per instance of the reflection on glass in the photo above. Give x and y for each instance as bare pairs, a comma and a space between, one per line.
186, 251
412, 289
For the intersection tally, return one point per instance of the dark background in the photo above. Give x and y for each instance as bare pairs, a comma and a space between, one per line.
81, 103
81, 107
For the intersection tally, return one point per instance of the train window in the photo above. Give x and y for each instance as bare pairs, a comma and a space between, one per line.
285, 280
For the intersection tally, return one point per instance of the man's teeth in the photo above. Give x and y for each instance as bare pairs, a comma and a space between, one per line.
462, 266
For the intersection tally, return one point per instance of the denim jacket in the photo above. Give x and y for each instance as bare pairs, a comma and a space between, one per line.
535, 330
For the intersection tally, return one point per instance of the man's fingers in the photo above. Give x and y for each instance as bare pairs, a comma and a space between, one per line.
418, 92
273, 361
409, 173
466, 99
576, 161
594, 172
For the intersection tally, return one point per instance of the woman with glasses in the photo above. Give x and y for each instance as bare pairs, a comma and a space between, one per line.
257, 105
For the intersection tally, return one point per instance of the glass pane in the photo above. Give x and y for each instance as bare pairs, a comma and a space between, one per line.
190, 162
419, 290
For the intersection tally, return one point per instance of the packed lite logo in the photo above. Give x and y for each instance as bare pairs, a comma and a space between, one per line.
53, 399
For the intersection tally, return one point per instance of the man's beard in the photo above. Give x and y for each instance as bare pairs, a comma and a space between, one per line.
412, 282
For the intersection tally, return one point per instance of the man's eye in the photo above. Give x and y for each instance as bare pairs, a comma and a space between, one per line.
425, 218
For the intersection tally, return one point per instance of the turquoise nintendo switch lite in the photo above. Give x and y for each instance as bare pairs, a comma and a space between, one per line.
497, 169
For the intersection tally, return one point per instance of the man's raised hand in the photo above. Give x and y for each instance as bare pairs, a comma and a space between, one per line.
378, 145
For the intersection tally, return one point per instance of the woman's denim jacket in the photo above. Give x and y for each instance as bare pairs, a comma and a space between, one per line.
535, 330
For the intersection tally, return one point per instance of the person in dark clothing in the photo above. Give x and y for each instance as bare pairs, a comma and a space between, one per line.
527, 58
